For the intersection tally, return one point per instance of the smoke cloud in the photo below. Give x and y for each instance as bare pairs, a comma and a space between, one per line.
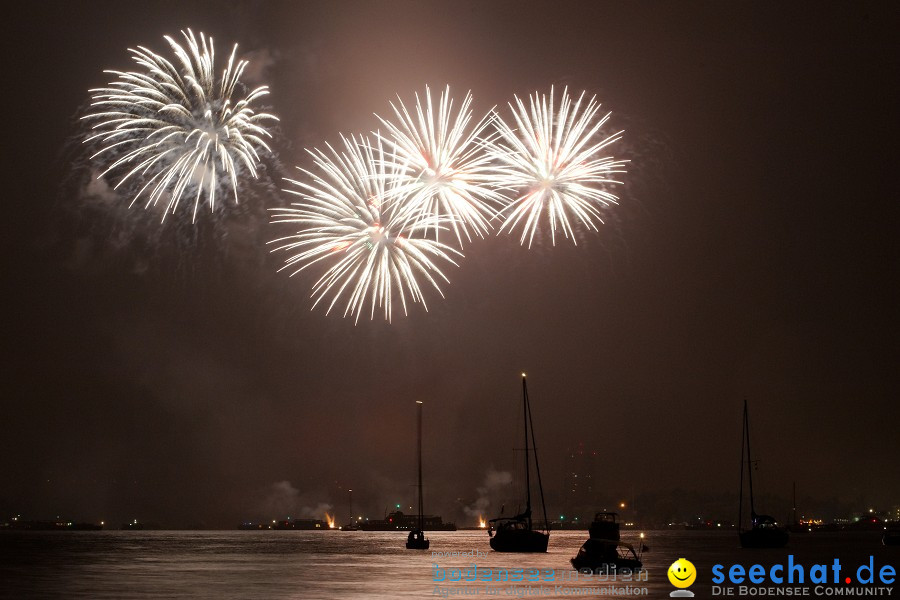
283, 500
494, 482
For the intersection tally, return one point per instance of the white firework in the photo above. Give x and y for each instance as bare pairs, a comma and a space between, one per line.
552, 165
173, 129
371, 252
440, 165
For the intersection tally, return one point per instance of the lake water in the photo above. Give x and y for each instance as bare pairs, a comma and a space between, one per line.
335, 564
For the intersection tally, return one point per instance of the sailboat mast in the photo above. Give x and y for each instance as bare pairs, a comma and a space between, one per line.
794, 503
537, 467
527, 467
749, 461
419, 428
740, 520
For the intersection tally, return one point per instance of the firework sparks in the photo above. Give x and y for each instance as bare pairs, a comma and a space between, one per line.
552, 163
171, 130
440, 165
373, 254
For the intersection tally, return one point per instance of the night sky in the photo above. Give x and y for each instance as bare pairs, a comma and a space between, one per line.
753, 256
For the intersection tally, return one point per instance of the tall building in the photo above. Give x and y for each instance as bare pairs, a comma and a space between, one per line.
582, 493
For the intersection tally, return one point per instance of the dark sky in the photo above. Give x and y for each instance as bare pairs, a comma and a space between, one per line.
753, 256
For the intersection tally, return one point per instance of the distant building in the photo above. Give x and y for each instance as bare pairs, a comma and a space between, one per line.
398, 520
57, 524
287, 524
303, 524
581, 495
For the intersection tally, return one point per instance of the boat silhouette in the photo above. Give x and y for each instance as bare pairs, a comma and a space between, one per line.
604, 552
764, 531
605, 526
351, 525
796, 526
606, 556
416, 539
518, 534
891, 535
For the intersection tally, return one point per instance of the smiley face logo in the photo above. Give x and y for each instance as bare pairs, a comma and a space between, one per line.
682, 573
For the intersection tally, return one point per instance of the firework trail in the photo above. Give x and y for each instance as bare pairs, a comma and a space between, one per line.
551, 163
173, 130
372, 252
440, 165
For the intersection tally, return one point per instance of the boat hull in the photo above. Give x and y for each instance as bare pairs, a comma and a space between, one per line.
417, 541
606, 556
520, 540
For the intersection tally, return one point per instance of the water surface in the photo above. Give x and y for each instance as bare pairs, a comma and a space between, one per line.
335, 564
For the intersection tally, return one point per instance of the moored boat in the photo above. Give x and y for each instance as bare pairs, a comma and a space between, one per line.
518, 533
606, 556
764, 531
417, 539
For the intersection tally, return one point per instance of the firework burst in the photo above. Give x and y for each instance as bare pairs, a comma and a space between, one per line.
372, 252
552, 164
172, 130
440, 166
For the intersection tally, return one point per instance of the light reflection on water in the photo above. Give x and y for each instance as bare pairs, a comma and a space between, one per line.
335, 564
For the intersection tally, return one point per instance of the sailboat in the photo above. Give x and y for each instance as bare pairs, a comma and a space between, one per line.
416, 539
764, 532
796, 526
352, 525
517, 534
